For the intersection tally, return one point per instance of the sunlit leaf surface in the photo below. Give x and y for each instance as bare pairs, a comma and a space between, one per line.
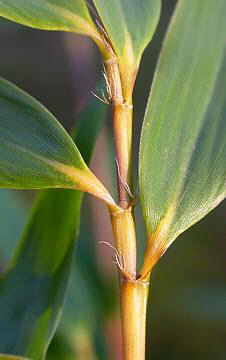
183, 143
67, 15
35, 150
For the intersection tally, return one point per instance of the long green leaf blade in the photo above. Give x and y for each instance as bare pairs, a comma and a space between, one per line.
183, 143
33, 145
130, 26
33, 290
67, 15
35, 150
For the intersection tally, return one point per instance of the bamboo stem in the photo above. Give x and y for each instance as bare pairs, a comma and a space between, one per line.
134, 296
122, 127
125, 242
133, 291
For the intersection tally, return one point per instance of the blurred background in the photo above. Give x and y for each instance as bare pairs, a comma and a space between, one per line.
187, 309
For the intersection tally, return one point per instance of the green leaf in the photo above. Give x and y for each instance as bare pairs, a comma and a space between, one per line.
12, 219
35, 150
33, 289
130, 27
129, 24
183, 143
67, 15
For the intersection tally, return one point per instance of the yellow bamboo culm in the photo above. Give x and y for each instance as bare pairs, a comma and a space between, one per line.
133, 291
125, 242
134, 296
